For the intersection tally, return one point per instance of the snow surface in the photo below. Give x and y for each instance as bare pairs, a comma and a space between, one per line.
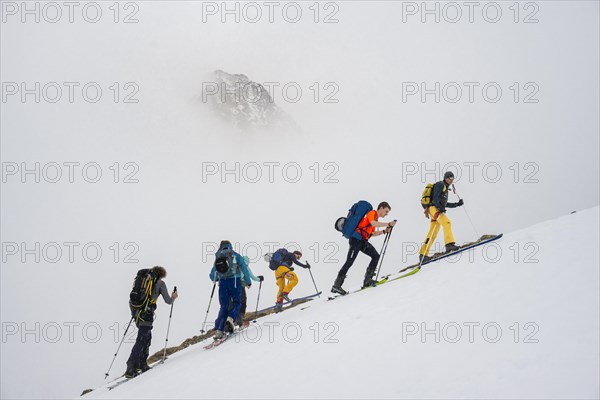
366, 346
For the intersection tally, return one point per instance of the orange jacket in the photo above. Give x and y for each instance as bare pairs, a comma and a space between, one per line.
364, 226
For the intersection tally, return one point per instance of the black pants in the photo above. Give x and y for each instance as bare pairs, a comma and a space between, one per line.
141, 348
356, 246
243, 301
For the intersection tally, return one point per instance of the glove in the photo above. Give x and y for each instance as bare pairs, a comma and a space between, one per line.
426, 212
307, 265
261, 278
460, 203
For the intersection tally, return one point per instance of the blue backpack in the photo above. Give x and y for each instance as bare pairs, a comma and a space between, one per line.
347, 225
277, 259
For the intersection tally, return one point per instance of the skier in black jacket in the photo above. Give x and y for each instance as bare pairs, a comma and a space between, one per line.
437, 212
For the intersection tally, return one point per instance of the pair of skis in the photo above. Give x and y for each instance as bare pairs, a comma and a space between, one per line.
289, 303
218, 342
413, 269
122, 379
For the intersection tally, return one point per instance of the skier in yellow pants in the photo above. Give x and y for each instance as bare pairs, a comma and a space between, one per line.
282, 274
281, 262
436, 210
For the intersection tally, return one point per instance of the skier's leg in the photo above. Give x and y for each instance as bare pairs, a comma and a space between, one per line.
292, 281
370, 251
424, 248
143, 361
445, 222
436, 230
355, 245
280, 280
224, 299
235, 294
141, 341
243, 299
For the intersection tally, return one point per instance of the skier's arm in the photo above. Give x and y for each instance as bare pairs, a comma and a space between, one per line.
245, 270
254, 278
454, 205
213, 273
298, 263
164, 292
378, 224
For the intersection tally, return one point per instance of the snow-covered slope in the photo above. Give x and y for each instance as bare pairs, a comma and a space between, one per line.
515, 319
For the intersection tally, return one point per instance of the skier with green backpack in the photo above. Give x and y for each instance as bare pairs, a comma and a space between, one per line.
148, 285
434, 200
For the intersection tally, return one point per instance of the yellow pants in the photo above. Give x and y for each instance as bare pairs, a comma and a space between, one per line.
281, 274
434, 228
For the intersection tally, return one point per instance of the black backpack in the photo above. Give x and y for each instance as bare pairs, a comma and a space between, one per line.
222, 264
141, 292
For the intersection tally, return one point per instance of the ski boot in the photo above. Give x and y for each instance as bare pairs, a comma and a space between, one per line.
450, 247
370, 282
338, 290
143, 368
219, 335
131, 371
284, 295
229, 326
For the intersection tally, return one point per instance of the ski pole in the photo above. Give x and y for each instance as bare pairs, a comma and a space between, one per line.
168, 328
464, 208
208, 309
257, 300
386, 240
313, 279
117, 352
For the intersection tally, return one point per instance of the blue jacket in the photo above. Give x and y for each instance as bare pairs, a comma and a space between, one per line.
237, 269
251, 276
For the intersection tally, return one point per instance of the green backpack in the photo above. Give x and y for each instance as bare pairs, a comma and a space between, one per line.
426, 195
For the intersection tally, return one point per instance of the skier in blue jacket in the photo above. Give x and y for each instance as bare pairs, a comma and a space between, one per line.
229, 269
